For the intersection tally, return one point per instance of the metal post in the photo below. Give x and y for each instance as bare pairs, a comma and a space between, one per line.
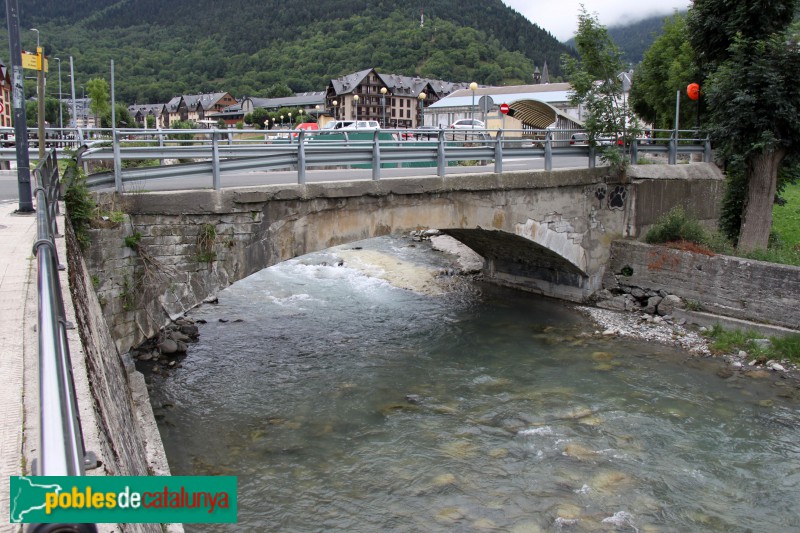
634, 151
376, 156
115, 138
60, 118
217, 184
441, 160
74, 122
673, 149
40, 96
498, 153
548, 151
707, 151
18, 103
301, 158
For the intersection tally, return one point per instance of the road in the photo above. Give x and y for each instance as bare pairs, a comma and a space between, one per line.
9, 189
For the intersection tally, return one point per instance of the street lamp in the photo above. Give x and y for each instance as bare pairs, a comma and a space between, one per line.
334, 103
355, 104
290, 120
472, 87
422, 97
37, 38
383, 104
299, 116
281, 121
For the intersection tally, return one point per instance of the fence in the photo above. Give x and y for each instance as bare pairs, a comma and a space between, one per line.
61, 451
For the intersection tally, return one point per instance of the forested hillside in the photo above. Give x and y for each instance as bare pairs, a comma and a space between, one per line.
248, 47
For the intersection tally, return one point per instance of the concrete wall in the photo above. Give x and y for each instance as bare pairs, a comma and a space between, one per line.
546, 232
129, 442
723, 285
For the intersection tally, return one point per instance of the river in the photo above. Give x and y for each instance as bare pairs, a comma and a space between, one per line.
375, 395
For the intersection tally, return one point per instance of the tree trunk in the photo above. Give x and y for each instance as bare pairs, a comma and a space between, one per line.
762, 181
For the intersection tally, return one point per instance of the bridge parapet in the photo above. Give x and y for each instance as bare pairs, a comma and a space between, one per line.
547, 232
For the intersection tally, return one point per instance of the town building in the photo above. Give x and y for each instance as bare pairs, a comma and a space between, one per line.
393, 100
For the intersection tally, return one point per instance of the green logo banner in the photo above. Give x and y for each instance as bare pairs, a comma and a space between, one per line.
123, 499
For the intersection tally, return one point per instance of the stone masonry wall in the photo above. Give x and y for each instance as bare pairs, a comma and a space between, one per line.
129, 439
729, 286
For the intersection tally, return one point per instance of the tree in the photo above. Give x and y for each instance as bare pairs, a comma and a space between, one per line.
667, 68
150, 120
98, 91
597, 87
752, 62
121, 115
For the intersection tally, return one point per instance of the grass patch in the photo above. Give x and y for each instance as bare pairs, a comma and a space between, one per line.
725, 341
786, 218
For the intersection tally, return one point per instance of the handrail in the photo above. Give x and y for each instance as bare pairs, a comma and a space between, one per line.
61, 449
219, 151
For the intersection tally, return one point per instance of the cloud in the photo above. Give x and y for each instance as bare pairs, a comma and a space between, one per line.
560, 17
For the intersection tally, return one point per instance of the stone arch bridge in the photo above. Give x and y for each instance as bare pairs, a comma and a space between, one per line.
545, 232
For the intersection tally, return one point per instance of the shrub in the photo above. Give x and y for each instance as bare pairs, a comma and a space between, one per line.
676, 226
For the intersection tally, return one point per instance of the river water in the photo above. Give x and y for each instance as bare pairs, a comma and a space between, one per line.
345, 403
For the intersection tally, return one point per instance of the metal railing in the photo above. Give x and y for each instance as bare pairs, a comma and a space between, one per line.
215, 152
61, 449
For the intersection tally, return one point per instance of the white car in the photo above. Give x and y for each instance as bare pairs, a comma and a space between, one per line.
468, 124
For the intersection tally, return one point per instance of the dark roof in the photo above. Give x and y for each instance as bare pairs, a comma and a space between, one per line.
298, 100
397, 84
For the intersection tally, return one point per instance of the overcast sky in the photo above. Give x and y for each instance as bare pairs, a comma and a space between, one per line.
560, 17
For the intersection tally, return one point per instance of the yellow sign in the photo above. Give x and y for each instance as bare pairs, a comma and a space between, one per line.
30, 61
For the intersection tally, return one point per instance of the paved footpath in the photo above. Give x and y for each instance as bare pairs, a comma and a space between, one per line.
17, 289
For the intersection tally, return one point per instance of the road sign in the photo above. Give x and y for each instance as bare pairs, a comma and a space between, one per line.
485, 104
504, 109
31, 61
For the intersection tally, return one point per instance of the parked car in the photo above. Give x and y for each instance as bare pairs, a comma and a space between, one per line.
364, 125
337, 125
579, 139
422, 132
467, 124
307, 126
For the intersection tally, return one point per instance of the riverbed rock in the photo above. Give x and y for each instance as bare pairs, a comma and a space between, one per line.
168, 346
190, 329
669, 304
652, 304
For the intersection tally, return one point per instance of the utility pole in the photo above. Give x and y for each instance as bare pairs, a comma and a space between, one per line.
18, 103
40, 92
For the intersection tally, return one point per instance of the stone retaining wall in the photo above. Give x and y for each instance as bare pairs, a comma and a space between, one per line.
723, 285
129, 439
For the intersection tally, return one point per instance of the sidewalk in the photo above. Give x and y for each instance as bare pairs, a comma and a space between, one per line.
17, 291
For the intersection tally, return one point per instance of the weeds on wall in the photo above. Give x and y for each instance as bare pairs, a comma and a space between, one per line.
205, 244
79, 203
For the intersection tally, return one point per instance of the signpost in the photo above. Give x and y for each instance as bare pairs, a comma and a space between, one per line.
504, 110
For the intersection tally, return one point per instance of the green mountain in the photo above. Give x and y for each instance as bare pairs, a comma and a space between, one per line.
634, 39
162, 48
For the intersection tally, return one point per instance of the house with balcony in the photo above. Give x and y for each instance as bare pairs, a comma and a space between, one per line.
395, 101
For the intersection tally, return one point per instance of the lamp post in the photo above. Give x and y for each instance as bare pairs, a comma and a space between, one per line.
290, 120
355, 104
299, 116
60, 118
472, 87
334, 103
422, 97
383, 104
281, 121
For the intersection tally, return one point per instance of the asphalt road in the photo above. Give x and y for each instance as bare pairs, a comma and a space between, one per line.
9, 188
255, 178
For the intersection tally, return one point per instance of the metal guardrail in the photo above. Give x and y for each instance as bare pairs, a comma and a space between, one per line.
61, 449
215, 152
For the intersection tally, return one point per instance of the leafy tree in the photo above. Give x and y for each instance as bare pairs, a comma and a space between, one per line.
279, 90
98, 91
598, 88
259, 116
668, 67
121, 115
752, 61
150, 120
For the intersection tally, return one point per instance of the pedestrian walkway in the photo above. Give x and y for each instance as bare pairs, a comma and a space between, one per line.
17, 288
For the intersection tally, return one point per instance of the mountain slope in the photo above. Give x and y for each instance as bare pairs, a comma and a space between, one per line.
162, 48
